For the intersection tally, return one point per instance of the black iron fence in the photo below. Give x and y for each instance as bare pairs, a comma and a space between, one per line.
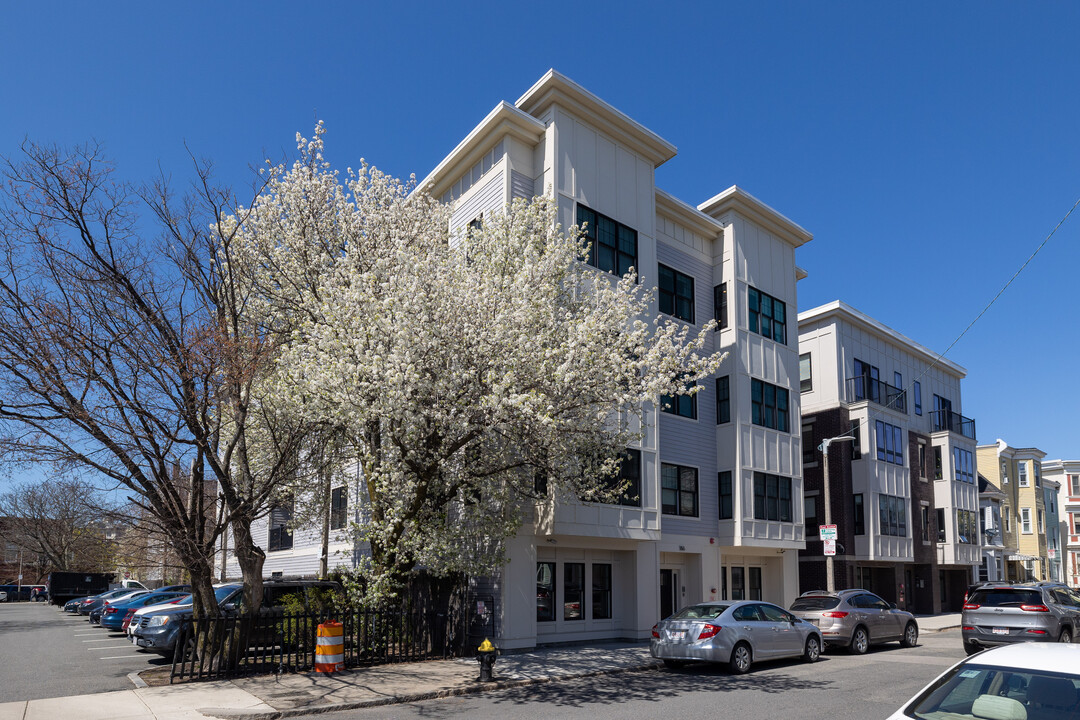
277, 641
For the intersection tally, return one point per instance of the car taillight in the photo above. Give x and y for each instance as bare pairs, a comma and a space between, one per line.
111, 611
655, 632
971, 606
834, 614
1034, 608
968, 627
708, 631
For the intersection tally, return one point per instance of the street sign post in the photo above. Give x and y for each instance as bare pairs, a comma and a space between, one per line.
828, 532
830, 547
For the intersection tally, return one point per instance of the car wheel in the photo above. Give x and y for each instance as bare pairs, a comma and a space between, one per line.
911, 636
1065, 636
971, 648
860, 641
740, 659
813, 649
674, 664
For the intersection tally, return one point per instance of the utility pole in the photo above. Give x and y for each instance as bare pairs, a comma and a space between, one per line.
826, 483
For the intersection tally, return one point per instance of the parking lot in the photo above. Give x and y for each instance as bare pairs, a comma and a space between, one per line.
49, 653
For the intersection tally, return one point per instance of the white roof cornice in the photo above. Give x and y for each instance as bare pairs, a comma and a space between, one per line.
505, 119
674, 208
737, 199
556, 88
849, 314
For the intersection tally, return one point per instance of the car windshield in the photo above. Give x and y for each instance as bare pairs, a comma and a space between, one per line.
1005, 597
700, 612
816, 602
223, 592
982, 691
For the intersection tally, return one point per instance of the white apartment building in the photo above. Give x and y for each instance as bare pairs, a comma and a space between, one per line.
718, 475
904, 492
1067, 474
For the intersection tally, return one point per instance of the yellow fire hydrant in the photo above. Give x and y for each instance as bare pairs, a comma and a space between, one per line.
485, 655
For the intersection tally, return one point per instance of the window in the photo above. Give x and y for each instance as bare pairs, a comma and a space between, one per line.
612, 245
938, 471
940, 524
720, 305
723, 480
678, 490
676, 293
809, 446
280, 535
737, 584
856, 444
1039, 515
922, 461
806, 374
1023, 474
1038, 481
601, 591
889, 443
867, 381
768, 405
545, 592
681, 405
772, 497
339, 506
892, 515
898, 381
629, 474
768, 316
925, 518
1006, 518
858, 515
723, 400
1025, 520
1004, 473
967, 527
1074, 485
963, 466
810, 512
475, 225
755, 582
573, 591
918, 398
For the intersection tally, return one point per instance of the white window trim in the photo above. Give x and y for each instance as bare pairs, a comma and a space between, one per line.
1025, 521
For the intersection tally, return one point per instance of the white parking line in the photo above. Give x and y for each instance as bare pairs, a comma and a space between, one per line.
122, 657
101, 640
108, 647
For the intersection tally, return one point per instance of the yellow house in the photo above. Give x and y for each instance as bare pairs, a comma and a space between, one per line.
1018, 473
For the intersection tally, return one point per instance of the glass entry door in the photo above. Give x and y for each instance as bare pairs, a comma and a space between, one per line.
669, 592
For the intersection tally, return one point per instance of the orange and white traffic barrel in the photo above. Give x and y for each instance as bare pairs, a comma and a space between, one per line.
330, 647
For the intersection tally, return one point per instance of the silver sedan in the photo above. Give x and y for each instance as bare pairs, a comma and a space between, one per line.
736, 633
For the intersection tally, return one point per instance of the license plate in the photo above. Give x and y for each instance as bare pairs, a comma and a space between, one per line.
678, 634
143, 643
1000, 631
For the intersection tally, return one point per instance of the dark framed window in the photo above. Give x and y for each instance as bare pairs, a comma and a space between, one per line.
281, 537
767, 316
738, 585
939, 472
917, 390
925, 523
940, 524
630, 473
545, 592
676, 293
754, 574
892, 515
772, 497
339, 507
809, 444
967, 526
963, 466
720, 305
681, 405
612, 245
769, 405
890, 446
811, 516
723, 399
678, 490
806, 373
573, 591
726, 494
858, 515
601, 591
856, 444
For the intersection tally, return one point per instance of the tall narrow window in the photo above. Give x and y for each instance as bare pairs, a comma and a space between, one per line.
281, 537
925, 518
1025, 520
601, 591
856, 444
723, 479
723, 399
918, 398
676, 293
545, 592
1023, 474
339, 507
806, 373
811, 516
940, 524
809, 444
939, 472
573, 591
755, 582
738, 591
858, 516
720, 305
628, 475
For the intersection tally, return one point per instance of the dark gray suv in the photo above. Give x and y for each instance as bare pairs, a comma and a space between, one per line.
1019, 612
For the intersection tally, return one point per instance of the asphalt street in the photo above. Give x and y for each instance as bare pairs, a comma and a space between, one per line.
47, 653
839, 687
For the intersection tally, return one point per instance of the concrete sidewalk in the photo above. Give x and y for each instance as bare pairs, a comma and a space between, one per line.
268, 697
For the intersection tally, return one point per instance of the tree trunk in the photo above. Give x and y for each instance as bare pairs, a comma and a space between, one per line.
251, 559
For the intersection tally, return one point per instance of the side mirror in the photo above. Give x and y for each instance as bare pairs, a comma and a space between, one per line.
892, 606
229, 607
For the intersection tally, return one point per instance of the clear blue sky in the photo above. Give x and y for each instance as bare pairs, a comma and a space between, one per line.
928, 146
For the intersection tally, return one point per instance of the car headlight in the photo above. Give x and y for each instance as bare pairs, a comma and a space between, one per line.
158, 620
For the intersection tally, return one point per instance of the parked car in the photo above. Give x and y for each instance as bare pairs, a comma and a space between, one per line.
113, 614
131, 623
1020, 612
1016, 682
736, 633
96, 613
856, 619
3, 596
89, 605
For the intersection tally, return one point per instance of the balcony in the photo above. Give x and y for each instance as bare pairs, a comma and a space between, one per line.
876, 391
953, 422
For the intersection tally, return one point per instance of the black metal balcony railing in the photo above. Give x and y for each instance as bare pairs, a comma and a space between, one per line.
953, 422
876, 391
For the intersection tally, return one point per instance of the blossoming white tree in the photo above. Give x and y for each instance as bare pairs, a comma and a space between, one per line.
465, 367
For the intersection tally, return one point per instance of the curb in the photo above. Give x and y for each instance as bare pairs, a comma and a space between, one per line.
137, 681
417, 697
